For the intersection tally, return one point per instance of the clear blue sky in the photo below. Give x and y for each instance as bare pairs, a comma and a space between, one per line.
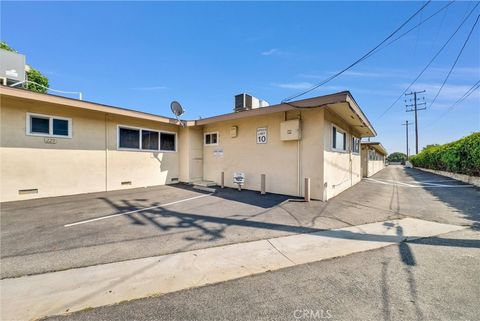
144, 55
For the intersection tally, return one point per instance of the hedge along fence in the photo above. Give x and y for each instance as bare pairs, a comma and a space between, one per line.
461, 156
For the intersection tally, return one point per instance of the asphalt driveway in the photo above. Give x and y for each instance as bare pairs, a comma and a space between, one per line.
409, 281
53, 234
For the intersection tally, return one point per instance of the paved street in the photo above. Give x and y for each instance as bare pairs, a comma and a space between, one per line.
55, 293
201, 220
240, 160
412, 280
429, 279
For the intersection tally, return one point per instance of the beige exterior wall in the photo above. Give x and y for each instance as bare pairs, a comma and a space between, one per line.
374, 166
364, 160
370, 167
87, 162
342, 169
191, 154
90, 161
141, 168
285, 163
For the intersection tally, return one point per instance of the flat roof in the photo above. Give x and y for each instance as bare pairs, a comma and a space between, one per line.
377, 146
65, 101
341, 103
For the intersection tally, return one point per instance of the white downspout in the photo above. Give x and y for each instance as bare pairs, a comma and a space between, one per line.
298, 170
106, 152
299, 161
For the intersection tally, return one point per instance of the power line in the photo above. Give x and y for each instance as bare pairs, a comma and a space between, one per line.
416, 41
434, 42
430, 62
412, 28
416, 26
461, 99
467, 9
468, 93
393, 40
358, 60
455, 62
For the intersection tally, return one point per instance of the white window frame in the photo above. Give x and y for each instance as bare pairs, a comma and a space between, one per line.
140, 149
28, 126
353, 145
205, 138
160, 132
339, 129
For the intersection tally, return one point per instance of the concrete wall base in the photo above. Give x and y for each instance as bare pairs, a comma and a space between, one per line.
473, 180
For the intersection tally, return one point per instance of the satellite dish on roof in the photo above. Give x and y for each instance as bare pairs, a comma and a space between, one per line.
177, 110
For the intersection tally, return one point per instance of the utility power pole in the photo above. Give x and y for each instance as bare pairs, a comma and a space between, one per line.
414, 106
406, 132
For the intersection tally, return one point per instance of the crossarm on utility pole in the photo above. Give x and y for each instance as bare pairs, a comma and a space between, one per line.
415, 108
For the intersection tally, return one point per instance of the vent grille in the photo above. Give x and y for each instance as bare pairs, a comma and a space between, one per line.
28, 191
243, 102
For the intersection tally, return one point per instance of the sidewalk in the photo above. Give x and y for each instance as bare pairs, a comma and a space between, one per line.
36, 296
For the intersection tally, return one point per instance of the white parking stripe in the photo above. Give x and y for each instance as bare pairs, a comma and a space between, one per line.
136, 211
419, 184
398, 182
437, 181
441, 186
37, 296
376, 181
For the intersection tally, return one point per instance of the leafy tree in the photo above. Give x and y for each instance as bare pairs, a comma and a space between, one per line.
430, 146
32, 74
397, 157
5, 46
36, 76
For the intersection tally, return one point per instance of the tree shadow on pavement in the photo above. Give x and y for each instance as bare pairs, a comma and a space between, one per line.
213, 227
464, 200
245, 196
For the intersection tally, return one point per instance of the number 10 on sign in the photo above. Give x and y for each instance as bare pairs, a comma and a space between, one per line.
262, 135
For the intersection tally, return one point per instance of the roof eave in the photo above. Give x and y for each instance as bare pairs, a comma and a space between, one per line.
87, 105
376, 145
358, 111
314, 102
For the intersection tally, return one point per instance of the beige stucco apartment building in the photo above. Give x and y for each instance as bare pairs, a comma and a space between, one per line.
373, 158
52, 146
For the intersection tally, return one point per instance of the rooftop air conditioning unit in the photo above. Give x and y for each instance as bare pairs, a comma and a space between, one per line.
247, 102
243, 102
264, 103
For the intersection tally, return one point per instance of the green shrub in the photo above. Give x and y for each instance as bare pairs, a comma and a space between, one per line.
461, 156
37, 78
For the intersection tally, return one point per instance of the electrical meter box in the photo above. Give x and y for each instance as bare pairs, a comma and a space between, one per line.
290, 130
234, 131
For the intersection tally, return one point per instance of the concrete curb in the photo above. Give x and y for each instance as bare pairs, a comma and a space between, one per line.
473, 180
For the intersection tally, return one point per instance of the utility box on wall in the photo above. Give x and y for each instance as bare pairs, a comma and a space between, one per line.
290, 130
234, 131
